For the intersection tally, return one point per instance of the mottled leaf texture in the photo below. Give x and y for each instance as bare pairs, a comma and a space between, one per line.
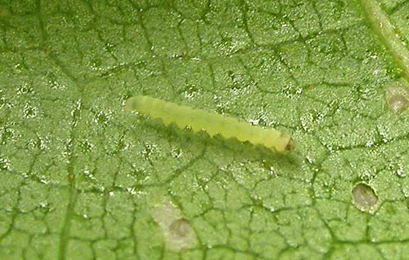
82, 179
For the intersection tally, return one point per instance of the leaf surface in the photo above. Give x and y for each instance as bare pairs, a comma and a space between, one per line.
80, 179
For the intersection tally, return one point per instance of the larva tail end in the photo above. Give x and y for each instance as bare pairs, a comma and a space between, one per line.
290, 145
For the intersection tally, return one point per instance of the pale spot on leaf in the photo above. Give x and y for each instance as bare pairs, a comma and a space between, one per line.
177, 231
397, 97
365, 198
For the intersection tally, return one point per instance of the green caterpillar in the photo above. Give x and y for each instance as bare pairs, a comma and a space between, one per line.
213, 124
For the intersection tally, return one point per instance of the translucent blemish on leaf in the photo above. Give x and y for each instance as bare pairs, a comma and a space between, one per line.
180, 228
397, 97
365, 198
177, 231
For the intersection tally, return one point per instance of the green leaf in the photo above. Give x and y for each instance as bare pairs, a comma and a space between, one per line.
80, 179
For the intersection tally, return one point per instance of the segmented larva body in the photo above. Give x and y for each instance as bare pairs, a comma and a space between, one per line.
213, 124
